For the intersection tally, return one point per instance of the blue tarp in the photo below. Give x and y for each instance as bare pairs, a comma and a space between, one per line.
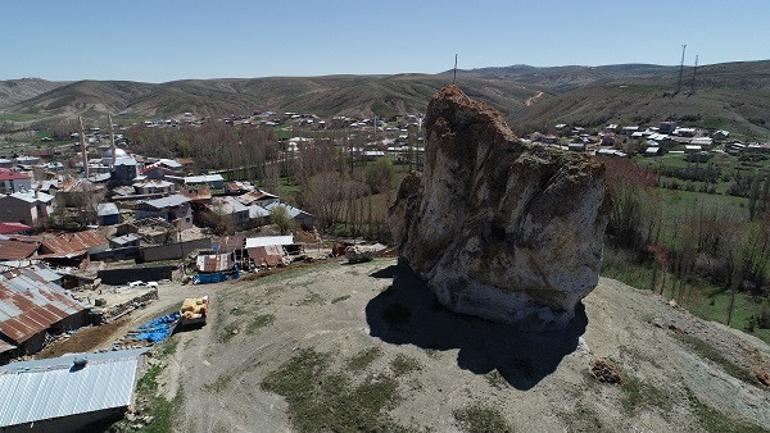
157, 329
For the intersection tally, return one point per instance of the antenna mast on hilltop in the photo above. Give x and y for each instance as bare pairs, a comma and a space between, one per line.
694, 73
681, 69
454, 75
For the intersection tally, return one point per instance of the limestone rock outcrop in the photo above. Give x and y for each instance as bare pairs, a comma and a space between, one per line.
498, 228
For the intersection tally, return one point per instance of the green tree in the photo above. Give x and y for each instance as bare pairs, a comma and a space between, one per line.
280, 217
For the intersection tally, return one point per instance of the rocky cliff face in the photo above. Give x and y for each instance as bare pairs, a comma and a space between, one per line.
508, 231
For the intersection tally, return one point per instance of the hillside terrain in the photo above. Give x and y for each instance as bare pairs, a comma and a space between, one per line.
337, 347
14, 91
729, 95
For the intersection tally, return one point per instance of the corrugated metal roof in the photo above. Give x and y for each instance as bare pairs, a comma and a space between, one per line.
38, 390
257, 211
170, 201
15, 250
270, 255
291, 210
29, 304
264, 241
67, 243
105, 209
214, 262
227, 206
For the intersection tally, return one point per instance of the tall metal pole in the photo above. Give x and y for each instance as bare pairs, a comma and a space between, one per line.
681, 69
83, 148
694, 73
454, 75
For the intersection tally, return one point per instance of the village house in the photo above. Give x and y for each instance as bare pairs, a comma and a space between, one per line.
14, 181
71, 393
154, 187
213, 181
230, 211
174, 208
108, 214
31, 207
31, 307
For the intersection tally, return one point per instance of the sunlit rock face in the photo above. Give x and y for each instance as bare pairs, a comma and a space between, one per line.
497, 228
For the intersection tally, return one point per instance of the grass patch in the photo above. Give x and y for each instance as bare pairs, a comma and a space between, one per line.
707, 351
162, 411
713, 421
324, 401
403, 365
637, 394
362, 360
259, 322
229, 332
340, 299
481, 419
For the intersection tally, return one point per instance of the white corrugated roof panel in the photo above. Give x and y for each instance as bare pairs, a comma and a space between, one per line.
263, 241
38, 390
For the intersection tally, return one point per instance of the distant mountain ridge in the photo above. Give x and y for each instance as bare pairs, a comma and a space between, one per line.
734, 95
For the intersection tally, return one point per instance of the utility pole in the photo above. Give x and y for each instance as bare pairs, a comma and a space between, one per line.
681, 69
112, 140
83, 148
694, 73
454, 75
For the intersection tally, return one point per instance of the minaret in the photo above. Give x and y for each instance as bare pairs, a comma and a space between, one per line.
83, 148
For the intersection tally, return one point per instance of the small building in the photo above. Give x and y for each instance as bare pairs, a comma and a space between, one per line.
156, 186
214, 181
16, 250
14, 181
268, 250
259, 197
31, 207
629, 130
127, 240
577, 147
125, 170
691, 148
667, 127
108, 214
230, 211
74, 244
653, 151
68, 394
174, 208
706, 142
31, 308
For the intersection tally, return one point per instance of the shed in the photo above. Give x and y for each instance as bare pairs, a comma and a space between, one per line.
108, 214
69, 393
31, 307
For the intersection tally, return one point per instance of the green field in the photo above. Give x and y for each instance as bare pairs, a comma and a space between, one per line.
17, 117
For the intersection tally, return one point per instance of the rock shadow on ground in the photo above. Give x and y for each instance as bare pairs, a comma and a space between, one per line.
408, 313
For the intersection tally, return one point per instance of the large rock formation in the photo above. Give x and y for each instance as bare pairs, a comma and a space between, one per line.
509, 231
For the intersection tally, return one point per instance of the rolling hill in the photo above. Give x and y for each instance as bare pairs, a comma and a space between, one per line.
730, 95
14, 91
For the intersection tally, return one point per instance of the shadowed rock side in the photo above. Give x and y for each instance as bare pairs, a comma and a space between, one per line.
497, 228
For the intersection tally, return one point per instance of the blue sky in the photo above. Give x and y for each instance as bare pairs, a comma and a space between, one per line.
164, 40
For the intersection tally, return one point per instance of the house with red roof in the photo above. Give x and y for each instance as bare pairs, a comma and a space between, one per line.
14, 181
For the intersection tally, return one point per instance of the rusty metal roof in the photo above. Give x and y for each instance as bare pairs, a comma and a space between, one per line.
214, 262
68, 243
269, 255
16, 250
29, 304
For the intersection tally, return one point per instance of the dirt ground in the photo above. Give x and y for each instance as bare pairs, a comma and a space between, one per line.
680, 374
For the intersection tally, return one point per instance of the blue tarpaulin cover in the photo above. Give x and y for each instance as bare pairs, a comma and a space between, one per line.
157, 329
